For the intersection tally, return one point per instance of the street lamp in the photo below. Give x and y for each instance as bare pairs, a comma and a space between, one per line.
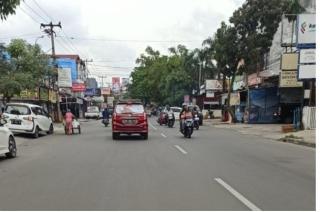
35, 42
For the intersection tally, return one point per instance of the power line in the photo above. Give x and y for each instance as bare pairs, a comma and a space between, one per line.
35, 11
43, 10
24, 11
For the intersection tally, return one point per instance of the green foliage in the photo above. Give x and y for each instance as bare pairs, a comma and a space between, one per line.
26, 69
7, 7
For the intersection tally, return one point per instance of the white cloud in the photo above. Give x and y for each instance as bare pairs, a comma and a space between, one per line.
179, 20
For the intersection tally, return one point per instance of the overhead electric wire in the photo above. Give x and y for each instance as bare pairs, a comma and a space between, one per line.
36, 3
35, 12
24, 11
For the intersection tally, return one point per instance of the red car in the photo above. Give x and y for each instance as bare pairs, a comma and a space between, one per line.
129, 118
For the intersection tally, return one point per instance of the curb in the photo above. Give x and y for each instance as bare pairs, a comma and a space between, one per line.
298, 141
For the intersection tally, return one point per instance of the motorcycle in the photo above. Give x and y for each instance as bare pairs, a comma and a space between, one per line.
188, 128
196, 121
105, 122
171, 119
162, 120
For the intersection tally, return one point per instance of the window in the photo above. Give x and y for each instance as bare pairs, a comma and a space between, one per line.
17, 110
37, 110
122, 108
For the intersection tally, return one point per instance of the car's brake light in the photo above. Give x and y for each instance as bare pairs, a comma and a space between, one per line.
29, 118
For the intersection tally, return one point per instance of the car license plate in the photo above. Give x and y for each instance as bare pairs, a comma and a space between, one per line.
16, 122
196, 118
129, 121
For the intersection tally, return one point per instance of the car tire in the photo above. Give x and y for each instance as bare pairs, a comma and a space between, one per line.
12, 148
36, 132
115, 136
50, 132
145, 136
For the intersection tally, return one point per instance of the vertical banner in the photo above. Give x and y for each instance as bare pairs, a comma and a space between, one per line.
116, 84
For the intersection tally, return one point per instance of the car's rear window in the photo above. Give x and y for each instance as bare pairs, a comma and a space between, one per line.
176, 110
129, 108
93, 109
17, 110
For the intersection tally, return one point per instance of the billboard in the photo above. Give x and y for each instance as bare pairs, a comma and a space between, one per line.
116, 84
289, 61
78, 87
213, 85
307, 71
105, 91
306, 30
68, 63
288, 79
64, 78
307, 56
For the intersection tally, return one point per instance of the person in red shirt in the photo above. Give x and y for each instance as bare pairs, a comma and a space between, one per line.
68, 121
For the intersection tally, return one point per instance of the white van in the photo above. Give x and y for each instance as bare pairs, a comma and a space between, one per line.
7, 141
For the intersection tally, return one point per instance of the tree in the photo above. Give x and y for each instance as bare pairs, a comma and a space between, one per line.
8, 7
26, 69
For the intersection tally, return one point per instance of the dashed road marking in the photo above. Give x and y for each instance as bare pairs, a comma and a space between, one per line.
181, 150
153, 126
239, 196
163, 135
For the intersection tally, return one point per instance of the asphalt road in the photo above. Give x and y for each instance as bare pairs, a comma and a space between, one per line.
214, 170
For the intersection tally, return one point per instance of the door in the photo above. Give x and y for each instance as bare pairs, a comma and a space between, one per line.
3, 139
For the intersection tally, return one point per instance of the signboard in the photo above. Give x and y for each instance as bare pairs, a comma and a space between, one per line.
307, 71
253, 79
52, 96
288, 79
64, 77
306, 29
238, 83
116, 84
28, 94
105, 91
234, 99
210, 93
213, 85
90, 92
110, 100
186, 99
307, 56
289, 61
78, 87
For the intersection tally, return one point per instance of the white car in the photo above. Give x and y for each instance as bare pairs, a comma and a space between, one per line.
28, 119
176, 112
92, 112
7, 141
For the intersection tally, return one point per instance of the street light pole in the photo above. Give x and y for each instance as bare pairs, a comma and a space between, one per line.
35, 42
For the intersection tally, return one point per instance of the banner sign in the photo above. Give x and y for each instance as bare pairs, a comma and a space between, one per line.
64, 77
90, 92
234, 99
306, 30
213, 85
116, 84
307, 71
289, 61
307, 56
288, 79
29, 94
78, 87
52, 96
105, 91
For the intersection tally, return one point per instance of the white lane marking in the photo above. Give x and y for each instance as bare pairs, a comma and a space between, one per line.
180, 149
163, 135
239, 196
153, 126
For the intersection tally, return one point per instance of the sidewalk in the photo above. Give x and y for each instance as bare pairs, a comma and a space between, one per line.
269, 131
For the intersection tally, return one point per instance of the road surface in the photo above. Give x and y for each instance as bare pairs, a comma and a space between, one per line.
214, 170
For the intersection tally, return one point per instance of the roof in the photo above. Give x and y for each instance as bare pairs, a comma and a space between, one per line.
70, 56
23, 104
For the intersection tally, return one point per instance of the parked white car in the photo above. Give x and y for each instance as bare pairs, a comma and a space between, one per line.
7, 141
28, 119
92, 112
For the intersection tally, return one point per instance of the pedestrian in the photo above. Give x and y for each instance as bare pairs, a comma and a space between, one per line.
68, 121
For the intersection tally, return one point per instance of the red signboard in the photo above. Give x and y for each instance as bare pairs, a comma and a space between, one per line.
105, 91
78, 87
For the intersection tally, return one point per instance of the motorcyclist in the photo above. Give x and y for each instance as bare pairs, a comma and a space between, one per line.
185, 114
105, 115
68, 117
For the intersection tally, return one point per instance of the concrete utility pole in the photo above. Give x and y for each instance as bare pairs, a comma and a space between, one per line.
102, 77
86, 61
48, 29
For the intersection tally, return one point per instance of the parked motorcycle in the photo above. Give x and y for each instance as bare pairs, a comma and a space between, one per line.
188, 128
171, 119
196, 122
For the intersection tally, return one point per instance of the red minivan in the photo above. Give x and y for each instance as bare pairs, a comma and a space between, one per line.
129, 118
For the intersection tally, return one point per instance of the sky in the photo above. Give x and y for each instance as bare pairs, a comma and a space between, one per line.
113, 33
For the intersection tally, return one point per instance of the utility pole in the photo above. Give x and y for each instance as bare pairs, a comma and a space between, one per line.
86, 61
48, 29
102, 77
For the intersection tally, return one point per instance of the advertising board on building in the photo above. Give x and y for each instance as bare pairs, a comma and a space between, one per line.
234, 99
289, 61
52, 96
110, 100
288, 79
213, 85
105, 91
64, 78
116, 84
30, 94
90, 92
306, 30
307, 56
307, 71
78, 87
